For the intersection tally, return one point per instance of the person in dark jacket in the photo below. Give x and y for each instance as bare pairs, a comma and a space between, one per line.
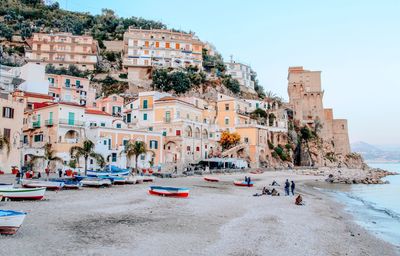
292, 187
248, 181
287, 186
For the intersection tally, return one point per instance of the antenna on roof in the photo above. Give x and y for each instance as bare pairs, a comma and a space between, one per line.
231, 56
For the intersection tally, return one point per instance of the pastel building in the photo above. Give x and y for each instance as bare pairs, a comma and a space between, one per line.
11, 113
306, 99
71, 89
144, 49
62, 50
240, 72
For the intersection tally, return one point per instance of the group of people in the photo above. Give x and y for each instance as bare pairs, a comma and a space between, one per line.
289, 187
247, 180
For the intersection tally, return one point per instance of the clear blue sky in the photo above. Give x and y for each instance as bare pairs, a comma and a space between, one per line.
355, 43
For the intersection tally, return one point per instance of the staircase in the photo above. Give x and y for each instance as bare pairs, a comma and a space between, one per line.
234, 149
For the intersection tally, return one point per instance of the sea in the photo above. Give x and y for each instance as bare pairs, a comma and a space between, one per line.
375, 207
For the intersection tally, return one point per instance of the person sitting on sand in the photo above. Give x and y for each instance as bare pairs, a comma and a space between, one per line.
299, 200
274, 183
266, 191
274, 192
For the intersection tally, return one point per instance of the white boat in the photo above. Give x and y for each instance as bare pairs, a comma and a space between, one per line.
149, 178
23, 193
10, 221
139, 179
6, 185
95, 182
50, 185
131, 180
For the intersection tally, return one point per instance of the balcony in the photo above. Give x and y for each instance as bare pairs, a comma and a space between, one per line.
71, 122
49, 122
36, 124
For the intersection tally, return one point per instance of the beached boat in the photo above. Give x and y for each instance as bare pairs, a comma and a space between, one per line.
139, 179
149, 178
131, 180
69, 183
95, 182
169, 191
23, 193
243, 183
117, 180
6, 185
108, 171
211, 179
10, 221
50, 185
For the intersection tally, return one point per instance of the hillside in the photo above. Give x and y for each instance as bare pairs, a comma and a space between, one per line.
375, 153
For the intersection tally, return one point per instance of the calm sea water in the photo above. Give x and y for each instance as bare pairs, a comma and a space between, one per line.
376, 207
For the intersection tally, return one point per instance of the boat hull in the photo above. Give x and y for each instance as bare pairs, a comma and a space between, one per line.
211, 179
49, 185
243, 184
23, 193
9, 224
96, 182
6, 186
169, 191
148, 178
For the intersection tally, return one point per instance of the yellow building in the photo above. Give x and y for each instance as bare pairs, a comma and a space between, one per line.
12, 111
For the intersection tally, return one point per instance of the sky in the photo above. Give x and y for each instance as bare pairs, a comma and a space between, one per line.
356, 45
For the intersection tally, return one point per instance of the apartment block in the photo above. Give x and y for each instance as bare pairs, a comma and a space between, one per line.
62, 50
144, 49
240, 72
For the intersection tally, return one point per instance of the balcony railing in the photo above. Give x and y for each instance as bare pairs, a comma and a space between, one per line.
71, 122
49, 122
36, 124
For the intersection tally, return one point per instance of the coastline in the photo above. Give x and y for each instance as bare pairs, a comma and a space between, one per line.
217, 219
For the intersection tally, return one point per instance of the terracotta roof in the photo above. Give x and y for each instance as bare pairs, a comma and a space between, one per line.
96, 112
39, 105
70, 104
38, 95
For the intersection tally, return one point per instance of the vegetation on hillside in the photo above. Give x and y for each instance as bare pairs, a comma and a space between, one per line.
23, 17
229, 140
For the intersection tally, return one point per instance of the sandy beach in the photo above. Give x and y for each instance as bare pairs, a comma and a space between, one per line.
217, 219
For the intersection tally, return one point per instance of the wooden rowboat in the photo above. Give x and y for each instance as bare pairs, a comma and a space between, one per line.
23, 193
211, 179
50, 185
6, 185
243, 183
95, 182
10, 221
169, 191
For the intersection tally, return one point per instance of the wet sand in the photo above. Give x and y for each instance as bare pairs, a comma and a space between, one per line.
217, 219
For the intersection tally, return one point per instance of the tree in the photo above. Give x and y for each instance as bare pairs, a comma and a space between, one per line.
4, 144
48, 156
232, 84
6, 32
259, 113
86, 151
180, 82
160, 79
135, 149
228, 140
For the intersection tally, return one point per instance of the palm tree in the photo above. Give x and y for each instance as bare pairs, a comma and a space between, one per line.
4, 143
86, 151
135, 149
48, 156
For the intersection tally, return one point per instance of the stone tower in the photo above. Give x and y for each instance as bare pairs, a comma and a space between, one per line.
306, 99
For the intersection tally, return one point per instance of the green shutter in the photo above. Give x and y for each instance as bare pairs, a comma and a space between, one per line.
144, 103
71, 118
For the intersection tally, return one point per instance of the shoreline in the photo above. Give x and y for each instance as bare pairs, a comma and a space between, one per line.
216, 219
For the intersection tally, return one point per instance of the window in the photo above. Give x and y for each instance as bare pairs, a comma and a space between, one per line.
142, 157
197, 149
104, 142
67, 83
128, 118
177, 46
188, 148
71, 118
157, 44
91, 161
38, 138
103, 124
78, 83
167, 45
153, 144
226, 121
167, 116
144, 104
246, 140
125, 142
226, 106
114, 157
119, 126
144, 116
8, 112
7, 134
51, 80
178, 132
151, 128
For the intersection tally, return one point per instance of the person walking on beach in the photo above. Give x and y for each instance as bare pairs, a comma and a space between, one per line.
292, 187
287, 186
248, 181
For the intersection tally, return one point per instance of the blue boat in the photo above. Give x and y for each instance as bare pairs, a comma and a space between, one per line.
70, 183
10, 221
169, 191
109, 170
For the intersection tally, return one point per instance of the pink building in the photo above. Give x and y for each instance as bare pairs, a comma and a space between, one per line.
71, 89
112, 104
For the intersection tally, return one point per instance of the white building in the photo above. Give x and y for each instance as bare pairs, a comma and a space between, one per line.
30, 78
240, 72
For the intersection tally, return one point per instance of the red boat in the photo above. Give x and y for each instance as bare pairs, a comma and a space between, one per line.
169, 191
243, 184
210, 179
